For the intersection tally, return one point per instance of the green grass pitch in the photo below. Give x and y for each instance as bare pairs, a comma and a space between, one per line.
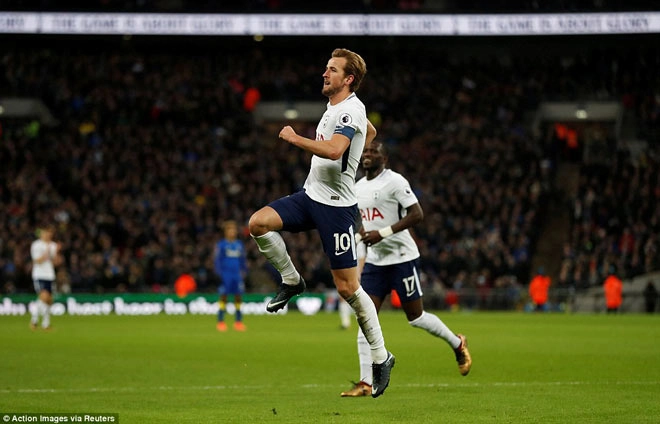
528, 368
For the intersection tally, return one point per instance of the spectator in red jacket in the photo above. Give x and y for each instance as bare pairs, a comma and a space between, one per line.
538, 290
613, 288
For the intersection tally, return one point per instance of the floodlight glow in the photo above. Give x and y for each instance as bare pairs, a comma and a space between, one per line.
291, 113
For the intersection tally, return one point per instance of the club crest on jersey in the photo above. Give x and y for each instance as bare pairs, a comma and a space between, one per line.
345, 119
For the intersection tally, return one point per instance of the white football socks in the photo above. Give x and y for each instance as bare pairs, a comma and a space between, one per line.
45, 321
364, 356
42, 310
345, 313
367, 319
36, 312
435, 326
272, 246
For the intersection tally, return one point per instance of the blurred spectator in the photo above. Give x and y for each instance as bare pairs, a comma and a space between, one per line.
650, 297
613, 288
538, 290
184, 285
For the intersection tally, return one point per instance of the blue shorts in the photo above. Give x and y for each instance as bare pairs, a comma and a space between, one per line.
335, 224
231, 284
379, 281
40, 285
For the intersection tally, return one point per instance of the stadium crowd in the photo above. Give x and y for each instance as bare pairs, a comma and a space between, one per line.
155, 150
615, 222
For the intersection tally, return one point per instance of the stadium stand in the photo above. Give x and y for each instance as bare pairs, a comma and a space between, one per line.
154, 149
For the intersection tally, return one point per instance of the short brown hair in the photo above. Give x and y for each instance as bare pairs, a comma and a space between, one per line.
355, 66
47, 227
229, 223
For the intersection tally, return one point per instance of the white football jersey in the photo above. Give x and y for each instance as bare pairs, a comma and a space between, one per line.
46, 269
382, 202
332, 182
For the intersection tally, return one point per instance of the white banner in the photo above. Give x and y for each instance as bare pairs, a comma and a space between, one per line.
559, 24
307, 305
328, 24
27, 23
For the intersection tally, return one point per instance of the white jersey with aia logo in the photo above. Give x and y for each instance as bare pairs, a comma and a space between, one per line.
44, 270
332, 182
383, 201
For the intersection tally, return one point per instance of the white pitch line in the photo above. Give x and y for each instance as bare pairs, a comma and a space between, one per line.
130, 389
257, 387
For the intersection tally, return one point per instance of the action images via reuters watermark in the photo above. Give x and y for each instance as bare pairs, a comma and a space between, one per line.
40, 417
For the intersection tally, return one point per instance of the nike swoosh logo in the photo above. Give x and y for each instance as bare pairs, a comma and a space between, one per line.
271, 304
340, 253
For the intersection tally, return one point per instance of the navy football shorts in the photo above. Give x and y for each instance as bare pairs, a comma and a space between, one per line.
379, 281
40, 285
335, 225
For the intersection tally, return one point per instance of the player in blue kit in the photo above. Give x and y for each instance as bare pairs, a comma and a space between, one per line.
328, 203
230, 265
388, 208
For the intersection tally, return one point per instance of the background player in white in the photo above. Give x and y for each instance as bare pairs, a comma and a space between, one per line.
345, 314
388, 208
45, 256
328, 203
